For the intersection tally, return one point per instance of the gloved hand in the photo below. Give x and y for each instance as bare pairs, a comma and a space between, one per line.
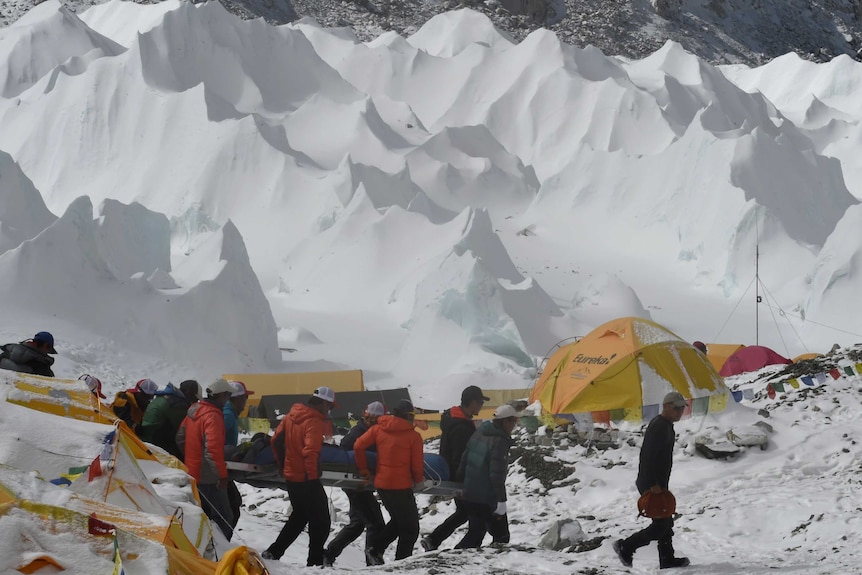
501, 508
419, 485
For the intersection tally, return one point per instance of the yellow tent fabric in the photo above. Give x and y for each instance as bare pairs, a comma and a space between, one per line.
624, 364
717, 353
297, 383
113, 496
63, 397
805, 356
241, 561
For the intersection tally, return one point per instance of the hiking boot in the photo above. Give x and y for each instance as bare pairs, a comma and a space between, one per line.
328, 558
674, 562
427, 544
373, 557
624, 555
268, 555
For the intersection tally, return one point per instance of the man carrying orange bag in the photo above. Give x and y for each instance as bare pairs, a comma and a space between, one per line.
656, 460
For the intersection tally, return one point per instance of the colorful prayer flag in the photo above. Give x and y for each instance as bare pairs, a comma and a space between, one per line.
737, 396
807, 380
835, 373
793, 383
770, 391
95, 469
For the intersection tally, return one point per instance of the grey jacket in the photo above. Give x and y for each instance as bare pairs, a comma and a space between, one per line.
23, 358
485, 464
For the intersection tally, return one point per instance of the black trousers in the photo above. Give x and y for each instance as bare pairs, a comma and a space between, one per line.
447, 528
660, 530
403, 523
481, 520
234, 498
310, 507
365, 515
215, 505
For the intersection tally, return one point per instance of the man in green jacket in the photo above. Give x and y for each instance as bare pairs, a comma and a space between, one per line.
166, 412
484, 467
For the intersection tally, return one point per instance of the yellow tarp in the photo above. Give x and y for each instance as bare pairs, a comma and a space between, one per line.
805, 356
297, 383
624, 364
63, 397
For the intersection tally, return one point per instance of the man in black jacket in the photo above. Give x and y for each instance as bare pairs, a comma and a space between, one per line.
457, 427
364, 509
30, 356
656, 460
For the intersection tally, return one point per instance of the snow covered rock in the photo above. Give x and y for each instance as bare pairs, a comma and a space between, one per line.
562, 534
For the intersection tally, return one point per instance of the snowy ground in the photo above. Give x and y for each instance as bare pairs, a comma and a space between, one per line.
185, 194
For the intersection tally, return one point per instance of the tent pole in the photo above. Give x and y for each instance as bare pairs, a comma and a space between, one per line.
757, 294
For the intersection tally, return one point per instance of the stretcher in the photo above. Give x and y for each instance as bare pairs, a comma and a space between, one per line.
339, 470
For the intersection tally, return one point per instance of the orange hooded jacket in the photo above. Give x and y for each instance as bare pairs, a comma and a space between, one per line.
400, 462
201, 439
297, 441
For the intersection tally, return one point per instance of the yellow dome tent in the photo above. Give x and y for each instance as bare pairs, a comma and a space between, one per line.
626, 363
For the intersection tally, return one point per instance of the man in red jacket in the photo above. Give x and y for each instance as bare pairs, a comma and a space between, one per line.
296, 445
201, 440
400, 465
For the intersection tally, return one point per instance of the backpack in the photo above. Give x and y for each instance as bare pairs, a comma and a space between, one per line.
657, 505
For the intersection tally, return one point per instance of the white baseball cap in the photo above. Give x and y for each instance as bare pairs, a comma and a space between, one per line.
219, 386
324, 393
505, 412
147, 386
239, 389
375, 408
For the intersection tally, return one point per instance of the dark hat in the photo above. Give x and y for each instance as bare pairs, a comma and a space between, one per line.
191, 387
700, 345
404, 409
472, 393
46, 338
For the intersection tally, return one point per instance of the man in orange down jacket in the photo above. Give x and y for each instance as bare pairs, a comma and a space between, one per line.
296, 446
400, 465
201, 440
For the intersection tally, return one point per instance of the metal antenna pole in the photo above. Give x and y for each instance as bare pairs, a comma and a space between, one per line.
757, 294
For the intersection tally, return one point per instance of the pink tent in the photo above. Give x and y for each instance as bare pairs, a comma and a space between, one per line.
751, 358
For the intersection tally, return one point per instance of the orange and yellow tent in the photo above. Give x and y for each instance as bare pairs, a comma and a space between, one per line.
717, 353
626, 363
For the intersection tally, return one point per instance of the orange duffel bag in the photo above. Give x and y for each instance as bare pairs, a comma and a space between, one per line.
657, 505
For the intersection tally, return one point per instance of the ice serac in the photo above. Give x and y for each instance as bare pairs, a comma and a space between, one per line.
23, 213
237, 60
134, 239
837, 279
605, 297
43, 39
804, 190
465, 167
474, 312
217, 322
449, 33
122, 21
227, 302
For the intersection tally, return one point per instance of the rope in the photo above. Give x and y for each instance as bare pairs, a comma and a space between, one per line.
733, 311
782, 313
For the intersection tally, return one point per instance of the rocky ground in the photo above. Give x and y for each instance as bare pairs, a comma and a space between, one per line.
720, 31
